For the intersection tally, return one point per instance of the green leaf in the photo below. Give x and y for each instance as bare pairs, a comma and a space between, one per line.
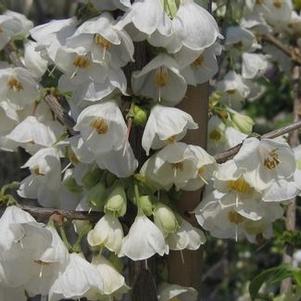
272, 276
297, 276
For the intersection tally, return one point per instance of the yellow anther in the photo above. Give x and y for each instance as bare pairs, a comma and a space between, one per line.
278, 3
100, 125
15, 84
81, 61
102, 42
161, 77
239, 185
199, 61
272, 160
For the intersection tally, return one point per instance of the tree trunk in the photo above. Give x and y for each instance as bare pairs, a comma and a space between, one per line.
184, 268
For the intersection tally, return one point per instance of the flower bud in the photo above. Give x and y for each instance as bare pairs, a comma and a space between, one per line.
171, 7
96, 195
139, 115
165, 219
71, 185
146, 204
116, 203
91, 178
242, 122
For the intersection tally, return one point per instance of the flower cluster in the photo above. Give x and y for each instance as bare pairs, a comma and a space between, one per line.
86, 65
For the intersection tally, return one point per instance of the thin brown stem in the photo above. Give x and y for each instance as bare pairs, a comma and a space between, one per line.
290, 218
230, 153
292, 52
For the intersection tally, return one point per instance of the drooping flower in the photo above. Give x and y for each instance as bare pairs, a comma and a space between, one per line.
160, 80
143, 240
269, 166
102, 127
165, 125
107, 233
77, 280
170, 292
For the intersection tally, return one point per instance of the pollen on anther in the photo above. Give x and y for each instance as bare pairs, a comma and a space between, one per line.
100, 125
15, 84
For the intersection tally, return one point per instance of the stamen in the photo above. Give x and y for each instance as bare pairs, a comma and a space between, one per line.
199, 61
15, 84
239, 185
179, 166
103, 43
100, 125
272, 160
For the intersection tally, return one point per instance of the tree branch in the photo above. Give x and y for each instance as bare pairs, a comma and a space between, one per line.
292, 52
43, 214
230, 153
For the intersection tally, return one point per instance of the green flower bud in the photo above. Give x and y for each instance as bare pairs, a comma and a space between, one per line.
242, 122
116, 203
165, 219
139, 115
91, 178
297, 4
71, 185
298, 164
96, 196
146, 204
171, 7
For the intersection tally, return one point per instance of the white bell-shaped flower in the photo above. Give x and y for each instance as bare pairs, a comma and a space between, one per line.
297, 174
239, 39
222, 137
13, 26
187, 237
253, 65
33, 60
205, 166
170, 292
107, 233
52, 36
104, 41
112, 280
33, 134
11, 215
192, 27
202, 69
52, 262
277, 13
77, 280
18, 87
102, 127
268, 163
160, 80
235, 91
165, 125
143, 240
173, 165
147, 17
121, 163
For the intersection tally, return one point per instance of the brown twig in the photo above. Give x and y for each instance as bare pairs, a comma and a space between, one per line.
292, 52
230, 153
290, 218
59, 112
43, 214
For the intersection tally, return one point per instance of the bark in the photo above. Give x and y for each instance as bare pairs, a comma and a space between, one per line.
185, 268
